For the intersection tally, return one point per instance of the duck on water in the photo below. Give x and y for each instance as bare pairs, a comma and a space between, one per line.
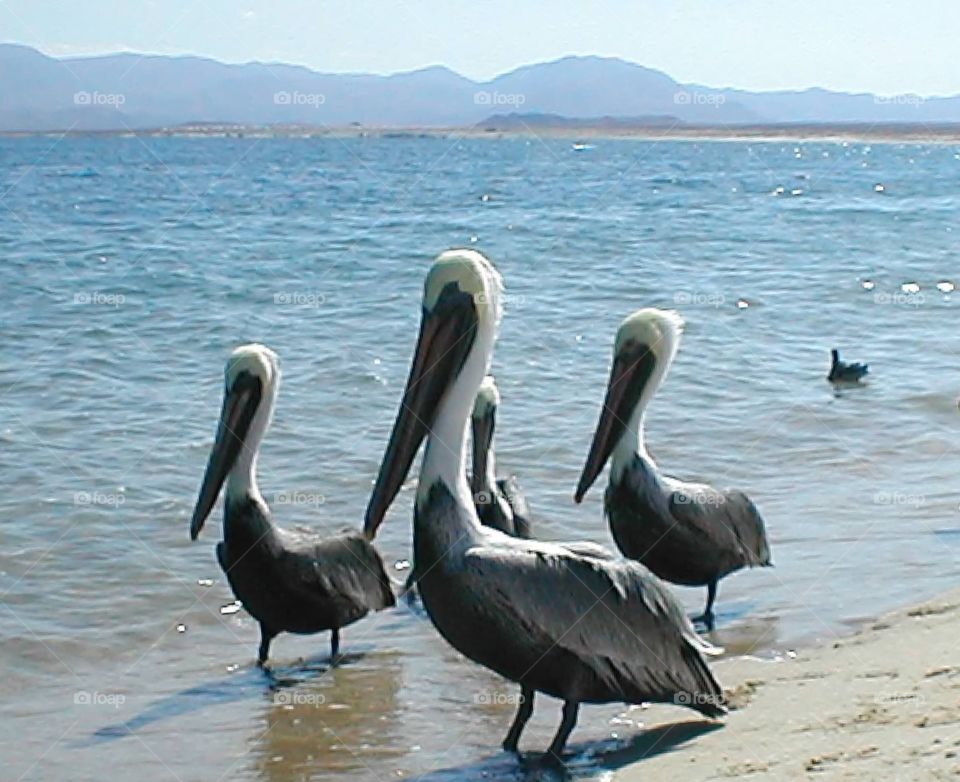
581, 628
288, 581
842, 372
690, 534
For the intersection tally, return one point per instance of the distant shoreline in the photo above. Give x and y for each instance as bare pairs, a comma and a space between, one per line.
875, 133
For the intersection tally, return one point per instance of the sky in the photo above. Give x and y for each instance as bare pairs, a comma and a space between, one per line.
903, 46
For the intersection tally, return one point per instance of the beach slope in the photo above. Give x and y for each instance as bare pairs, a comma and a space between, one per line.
882, 704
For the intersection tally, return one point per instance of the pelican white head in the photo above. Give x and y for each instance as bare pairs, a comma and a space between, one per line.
659, 330
488, 397
461, 313
251, 380
645, 346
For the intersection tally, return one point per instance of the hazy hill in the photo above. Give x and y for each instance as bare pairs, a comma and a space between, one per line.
130, 91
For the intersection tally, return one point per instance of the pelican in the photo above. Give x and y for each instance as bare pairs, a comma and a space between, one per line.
500, 503
288, 581
687, 533
842, 372
581, 627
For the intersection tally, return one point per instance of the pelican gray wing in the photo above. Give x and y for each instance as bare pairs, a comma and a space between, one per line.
728, 519
344, 572
620, 634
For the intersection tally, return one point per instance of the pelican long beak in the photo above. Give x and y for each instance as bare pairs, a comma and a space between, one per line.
632, 368
483, 428
240, 404
447, 333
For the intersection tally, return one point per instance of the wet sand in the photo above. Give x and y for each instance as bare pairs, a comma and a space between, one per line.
882, 704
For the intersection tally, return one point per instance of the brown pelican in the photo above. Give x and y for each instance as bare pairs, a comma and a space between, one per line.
842, 372
576, 626
687, 533
288, 581
500, 503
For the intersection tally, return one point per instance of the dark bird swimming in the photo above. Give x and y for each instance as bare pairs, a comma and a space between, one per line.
288, 581
687, 533
499, 502
842, 372
569, 621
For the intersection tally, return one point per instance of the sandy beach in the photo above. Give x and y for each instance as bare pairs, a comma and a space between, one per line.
882, 704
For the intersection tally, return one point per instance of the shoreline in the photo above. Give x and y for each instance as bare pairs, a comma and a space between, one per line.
882, 703
799, 132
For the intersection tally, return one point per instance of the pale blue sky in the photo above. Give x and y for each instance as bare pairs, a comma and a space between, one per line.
871, 45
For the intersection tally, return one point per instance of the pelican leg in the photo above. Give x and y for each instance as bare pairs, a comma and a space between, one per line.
567, 724
524, 710
707, 616
266, 636
334, 644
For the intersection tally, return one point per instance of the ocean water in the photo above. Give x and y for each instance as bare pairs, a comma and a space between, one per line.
130, 267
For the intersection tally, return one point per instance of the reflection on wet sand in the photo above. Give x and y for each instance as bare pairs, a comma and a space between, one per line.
752, 635
342, 720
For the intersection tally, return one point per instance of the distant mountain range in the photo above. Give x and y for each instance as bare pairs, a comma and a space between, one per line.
135, 92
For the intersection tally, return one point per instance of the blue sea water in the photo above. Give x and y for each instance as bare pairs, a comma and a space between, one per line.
129, 267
